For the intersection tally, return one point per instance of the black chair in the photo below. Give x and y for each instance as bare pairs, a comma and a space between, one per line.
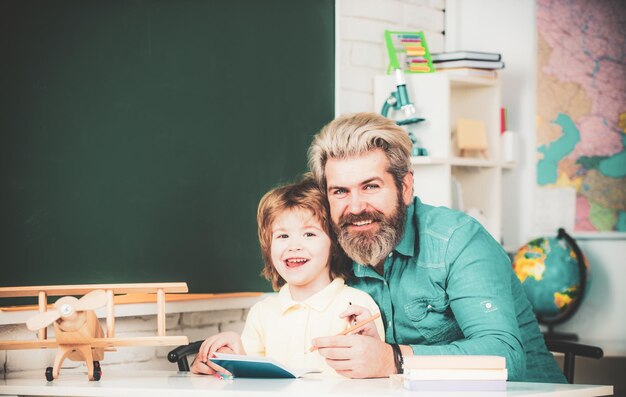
570, 349
179, 354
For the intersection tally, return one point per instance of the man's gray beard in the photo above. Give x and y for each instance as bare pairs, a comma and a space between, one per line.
371, 248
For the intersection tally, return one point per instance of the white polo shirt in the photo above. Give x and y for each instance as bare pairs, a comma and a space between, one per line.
281, 328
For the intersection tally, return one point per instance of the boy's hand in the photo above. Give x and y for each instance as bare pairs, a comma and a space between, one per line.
226, 342
355, 314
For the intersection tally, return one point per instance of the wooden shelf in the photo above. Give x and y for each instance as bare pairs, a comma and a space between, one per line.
444, 178
458, 161
472, 162
471, 81
425, 160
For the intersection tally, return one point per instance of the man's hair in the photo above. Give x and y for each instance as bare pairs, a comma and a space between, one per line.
355, 134
302, 195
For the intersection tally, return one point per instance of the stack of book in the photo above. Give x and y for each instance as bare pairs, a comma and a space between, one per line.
471, 63
455, 373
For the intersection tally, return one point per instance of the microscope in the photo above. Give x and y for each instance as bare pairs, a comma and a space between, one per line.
399, 100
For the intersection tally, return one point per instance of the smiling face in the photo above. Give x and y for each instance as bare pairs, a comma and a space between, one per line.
300, 252
367, 209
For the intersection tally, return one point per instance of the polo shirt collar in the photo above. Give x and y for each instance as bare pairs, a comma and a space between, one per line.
318, 301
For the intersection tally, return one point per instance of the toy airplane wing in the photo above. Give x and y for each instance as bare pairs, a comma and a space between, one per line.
140, 341
28, 344
98, 342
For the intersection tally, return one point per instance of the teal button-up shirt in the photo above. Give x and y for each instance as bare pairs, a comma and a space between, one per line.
448, 288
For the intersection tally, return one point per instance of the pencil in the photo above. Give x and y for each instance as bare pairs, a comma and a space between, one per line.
353, 328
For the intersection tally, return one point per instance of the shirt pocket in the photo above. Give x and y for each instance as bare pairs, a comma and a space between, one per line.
432, 317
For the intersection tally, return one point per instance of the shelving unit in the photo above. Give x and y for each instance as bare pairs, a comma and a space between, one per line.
472, 184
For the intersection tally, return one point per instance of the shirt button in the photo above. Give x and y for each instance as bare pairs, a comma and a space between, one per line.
390, 254
389, 323
429, 307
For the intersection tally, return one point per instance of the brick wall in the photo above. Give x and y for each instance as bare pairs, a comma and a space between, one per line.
362, 52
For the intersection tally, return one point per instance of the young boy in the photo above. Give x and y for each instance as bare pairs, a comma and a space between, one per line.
304, 263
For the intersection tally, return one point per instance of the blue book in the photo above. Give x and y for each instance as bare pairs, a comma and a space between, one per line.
257, 367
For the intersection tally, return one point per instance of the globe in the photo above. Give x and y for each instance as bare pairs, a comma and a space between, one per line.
554, 273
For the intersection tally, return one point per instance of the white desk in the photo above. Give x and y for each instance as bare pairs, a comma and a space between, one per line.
175, 384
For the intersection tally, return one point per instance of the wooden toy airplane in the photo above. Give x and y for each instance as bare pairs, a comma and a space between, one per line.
79, 335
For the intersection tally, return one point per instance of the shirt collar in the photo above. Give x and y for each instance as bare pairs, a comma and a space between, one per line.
406, 246
318, 301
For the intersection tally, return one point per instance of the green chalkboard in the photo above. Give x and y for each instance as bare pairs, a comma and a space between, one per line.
137, 137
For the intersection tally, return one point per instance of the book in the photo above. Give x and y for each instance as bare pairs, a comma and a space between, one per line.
487, 73
455, 385
471, 55
466, 63
457, 374
241, 366
454, 362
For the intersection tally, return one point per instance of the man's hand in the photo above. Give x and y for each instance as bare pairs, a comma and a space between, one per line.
355, 314
357, 356
226, 342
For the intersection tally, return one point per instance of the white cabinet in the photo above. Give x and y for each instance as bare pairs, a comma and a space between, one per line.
472, 184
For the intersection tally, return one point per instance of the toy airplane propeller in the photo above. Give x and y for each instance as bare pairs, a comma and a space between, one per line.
70, 310
79, 335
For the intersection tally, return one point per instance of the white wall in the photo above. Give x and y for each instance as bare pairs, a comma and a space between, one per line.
509, 27
602, 315
361, 51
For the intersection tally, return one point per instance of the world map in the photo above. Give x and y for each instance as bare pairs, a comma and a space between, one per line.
581, 107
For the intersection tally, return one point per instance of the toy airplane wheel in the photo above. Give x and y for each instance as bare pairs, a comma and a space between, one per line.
97, 371
49, 376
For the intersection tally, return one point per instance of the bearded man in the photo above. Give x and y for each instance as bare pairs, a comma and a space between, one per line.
443, 284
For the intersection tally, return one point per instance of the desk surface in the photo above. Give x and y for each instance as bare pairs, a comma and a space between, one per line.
170, 383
